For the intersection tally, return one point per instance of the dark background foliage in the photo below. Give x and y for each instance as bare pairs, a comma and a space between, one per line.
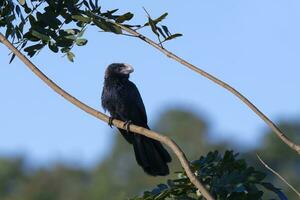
118, 177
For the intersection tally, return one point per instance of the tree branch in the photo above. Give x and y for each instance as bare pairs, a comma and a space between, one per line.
120, 124
219, 82
278, 175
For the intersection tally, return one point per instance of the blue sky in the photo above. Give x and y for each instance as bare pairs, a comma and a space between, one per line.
252, 45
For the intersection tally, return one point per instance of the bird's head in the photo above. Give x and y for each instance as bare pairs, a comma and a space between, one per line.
118, 70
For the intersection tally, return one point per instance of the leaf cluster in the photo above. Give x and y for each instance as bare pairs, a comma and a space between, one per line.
225, 176
36, 24
160, 30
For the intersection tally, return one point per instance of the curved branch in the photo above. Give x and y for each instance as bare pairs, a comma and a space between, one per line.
278, 175
219, 82
120, 124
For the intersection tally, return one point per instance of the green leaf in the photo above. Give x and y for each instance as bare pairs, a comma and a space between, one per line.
18, 32
10, 18
18, 10
72, 31
162, 17
166, 30
30, 37
49, 18
70, 56
132, 26
32, 20
112, 11
50, 33
157, 20
41, 36
31, 50
80, 24
71, 37
108, 27
153, 26
9, 31
12, 58
86, 4
65, 49
81, 42
173, 36
34, 47
96, 3
126, 17
92, 4
116, 29
23, 45
101, 24
81, 18
52, 46
161, 32
109, 13
64, 42
27, 9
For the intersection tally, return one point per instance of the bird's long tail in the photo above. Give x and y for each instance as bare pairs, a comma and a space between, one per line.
151, 155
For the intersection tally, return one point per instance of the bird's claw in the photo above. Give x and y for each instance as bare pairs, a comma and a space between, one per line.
127, 124
110, 121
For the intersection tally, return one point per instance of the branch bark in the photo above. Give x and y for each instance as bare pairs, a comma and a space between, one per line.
278, 175
120, 124
219, 82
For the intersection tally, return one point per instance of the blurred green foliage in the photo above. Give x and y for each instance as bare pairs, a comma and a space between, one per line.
118, 176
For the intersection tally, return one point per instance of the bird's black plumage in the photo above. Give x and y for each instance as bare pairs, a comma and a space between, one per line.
123, 100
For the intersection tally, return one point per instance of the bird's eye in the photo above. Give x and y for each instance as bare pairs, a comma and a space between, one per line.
119, 69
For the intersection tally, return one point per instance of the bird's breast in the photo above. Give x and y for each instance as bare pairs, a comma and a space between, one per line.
113, 98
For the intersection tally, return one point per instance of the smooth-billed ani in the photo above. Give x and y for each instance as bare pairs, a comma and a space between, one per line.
123, 100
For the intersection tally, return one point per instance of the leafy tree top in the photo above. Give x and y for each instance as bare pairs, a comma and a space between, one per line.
60, 25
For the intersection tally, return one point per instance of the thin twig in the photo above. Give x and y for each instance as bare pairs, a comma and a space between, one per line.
219, 82
149, 17
129, 35
146, 11
120, 124
34, 8
278, 175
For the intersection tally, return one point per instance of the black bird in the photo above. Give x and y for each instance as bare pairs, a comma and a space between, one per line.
122, 99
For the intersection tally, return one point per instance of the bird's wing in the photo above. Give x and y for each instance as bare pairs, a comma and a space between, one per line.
137, 112
139, 103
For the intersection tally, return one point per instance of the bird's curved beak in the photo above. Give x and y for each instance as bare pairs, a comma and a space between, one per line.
127, 69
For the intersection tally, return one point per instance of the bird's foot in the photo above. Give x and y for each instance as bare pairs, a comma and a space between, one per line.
127, 124
110, 121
